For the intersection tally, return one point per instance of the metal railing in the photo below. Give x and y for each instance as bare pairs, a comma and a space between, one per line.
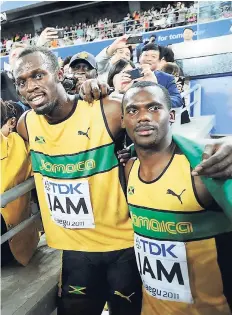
13, 194
196, 103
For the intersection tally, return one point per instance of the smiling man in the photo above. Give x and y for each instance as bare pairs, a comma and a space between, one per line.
182, 235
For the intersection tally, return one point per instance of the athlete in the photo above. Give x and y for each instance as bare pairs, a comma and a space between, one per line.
183, 238
81, 196
82, 203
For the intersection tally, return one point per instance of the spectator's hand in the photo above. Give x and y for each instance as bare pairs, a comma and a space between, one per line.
217, 160
47, 35
124, 155
148, 74
93, 89
118, 43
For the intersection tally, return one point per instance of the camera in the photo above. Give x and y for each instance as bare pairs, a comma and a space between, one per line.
69, 82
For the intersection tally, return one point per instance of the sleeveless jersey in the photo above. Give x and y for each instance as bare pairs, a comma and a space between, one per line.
76, 172
183, 251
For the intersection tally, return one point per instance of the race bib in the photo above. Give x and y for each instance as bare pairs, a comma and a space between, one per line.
69, 203
163, 269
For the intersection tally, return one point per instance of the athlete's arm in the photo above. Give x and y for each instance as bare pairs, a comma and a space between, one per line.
216, 159
113, 114
128, 167
21, 127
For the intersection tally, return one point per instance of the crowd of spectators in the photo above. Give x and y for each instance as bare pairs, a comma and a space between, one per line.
176, 14
169, 15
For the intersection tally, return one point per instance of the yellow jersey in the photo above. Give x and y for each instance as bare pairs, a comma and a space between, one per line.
183, 251
77, 178
15, 169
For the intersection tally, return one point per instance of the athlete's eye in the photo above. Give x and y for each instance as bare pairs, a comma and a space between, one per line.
154, 108
20, 83
132, 111
39, 76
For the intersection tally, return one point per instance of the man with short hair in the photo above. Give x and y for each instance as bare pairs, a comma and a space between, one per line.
82, 66
80, 188
110, 55
188, 34
154, 56
182, 233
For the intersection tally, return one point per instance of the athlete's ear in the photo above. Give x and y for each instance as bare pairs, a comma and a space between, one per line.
172, 116
60, 75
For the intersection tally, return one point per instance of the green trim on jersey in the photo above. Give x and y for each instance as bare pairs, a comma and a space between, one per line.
83, 164
178, 226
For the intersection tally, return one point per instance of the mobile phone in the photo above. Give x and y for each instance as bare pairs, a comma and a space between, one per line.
134, 40
181, 80
60, 33
135, 73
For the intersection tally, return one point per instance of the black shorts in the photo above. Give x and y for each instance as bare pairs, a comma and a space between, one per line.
89, 279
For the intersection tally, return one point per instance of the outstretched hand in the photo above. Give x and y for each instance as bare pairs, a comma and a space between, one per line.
216, 160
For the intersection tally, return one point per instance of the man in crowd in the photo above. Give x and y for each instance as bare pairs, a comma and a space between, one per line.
188, 34
155, 56
82, 66
74, 166
183, 238
110, 55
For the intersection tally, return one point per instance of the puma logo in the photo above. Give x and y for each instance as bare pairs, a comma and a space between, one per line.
82, 133
124, 296
171, 192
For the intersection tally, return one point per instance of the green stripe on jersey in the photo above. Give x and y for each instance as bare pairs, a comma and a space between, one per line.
78, 165
178, 226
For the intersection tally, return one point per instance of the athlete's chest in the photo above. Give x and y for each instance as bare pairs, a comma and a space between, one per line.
79, 133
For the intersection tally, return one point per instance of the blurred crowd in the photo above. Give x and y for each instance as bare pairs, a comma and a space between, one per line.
170, 15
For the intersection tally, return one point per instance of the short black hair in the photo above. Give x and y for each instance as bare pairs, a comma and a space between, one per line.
144, 84
46, 52
188, 28
167, 54
151, 46
117, 68
10, 109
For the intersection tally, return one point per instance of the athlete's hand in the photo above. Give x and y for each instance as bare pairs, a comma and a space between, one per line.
93, 89
217, 160
124, 155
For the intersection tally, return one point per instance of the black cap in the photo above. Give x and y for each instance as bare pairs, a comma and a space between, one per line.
83, 56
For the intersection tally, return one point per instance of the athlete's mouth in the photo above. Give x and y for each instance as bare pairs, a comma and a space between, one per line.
144, 130
37, 99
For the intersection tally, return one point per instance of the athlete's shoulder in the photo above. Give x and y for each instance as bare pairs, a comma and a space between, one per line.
22, 125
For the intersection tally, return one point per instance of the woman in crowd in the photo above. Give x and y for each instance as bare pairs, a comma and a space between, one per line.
119, 76
15, 169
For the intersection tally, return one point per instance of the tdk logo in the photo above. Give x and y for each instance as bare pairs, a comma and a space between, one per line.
63, 189
158, 249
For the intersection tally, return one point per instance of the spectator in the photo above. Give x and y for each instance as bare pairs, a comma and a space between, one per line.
110, 55
65, 65
15, 169
151, 55
166, 55
82, 66
188, 34
173, 69
8, 45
